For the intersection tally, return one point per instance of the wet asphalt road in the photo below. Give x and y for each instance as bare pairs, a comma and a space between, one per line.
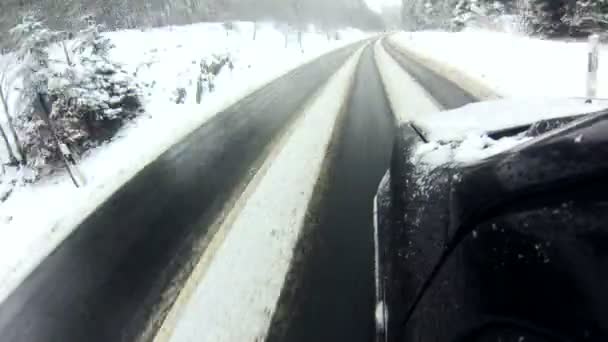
112, 278
329, 295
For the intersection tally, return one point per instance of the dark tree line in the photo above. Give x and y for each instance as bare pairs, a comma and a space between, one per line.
574, 18
119, 14
552, 18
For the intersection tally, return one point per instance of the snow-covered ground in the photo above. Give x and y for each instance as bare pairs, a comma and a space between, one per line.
233, 296
512, 65
460, 135
166, 59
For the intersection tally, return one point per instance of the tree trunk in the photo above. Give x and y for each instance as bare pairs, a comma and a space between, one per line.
9, 149
255, 30
9, 122
199, 90
67, 54
45, 115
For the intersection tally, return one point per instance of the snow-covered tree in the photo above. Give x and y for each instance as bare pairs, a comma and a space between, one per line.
586, 16
463, 13
91, 38
534, 16
523, 17
34, 39
7, 79
89, 97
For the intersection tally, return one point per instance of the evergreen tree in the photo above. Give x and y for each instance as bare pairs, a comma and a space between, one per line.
553, 18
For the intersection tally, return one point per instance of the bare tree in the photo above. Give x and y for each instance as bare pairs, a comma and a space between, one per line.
6, 81
11, 155
296, 8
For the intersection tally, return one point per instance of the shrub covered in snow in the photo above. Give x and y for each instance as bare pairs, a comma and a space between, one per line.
89, 97
85, 111
210, 68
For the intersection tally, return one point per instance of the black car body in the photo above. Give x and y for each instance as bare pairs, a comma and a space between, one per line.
513, 247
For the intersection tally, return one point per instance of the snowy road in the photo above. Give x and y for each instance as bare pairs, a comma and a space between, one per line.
331, 293
104, 282
269, 205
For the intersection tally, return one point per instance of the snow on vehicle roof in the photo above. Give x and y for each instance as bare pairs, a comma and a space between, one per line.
483, 117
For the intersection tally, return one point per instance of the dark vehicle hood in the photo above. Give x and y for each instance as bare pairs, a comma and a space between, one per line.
426, 213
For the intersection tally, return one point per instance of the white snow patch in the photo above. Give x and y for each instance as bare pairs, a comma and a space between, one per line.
236, 297
512, 65
471, 149
380, 310
380, 316
483, 117
170, 57
432, 153
476, 147
36, 218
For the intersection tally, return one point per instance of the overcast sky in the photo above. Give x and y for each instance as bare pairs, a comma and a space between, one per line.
376, 5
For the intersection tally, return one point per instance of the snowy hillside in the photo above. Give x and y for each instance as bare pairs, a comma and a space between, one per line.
167, 63
512, 65
170, 57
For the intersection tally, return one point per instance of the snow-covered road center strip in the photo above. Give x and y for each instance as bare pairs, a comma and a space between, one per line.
233, 297
407, 98
477, 88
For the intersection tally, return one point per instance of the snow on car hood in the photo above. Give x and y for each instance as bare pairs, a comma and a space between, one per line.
483, 117
473, 148
460, 136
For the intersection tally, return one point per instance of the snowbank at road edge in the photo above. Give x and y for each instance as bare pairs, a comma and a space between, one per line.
477, 87
511, 65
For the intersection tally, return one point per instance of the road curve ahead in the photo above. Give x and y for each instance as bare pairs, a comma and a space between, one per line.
329, 293
115, 273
